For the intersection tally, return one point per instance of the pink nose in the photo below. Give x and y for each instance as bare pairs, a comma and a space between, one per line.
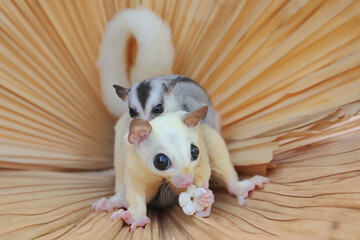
184, 181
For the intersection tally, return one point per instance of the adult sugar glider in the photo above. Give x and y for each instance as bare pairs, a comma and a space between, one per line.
173, 147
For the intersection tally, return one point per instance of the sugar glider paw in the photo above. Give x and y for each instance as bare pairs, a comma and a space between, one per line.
205, 213
101, 205
127, 217
140, 223
242, 188
206, 200
106, 205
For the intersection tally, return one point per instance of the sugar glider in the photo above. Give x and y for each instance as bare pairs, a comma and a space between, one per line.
155, 96
159, 91
155, 53
173, 147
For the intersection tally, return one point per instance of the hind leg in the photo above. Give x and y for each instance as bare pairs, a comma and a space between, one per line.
107, 205
141, 187
118, 200
223, 169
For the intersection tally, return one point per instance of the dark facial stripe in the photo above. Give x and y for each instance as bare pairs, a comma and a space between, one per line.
143, 92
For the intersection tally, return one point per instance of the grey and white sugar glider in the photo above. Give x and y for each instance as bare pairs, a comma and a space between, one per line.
154, 96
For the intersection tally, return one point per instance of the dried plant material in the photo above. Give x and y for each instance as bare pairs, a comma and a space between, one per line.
33, 203
265, 83
260, 150
284, 75
311, 187
188, 200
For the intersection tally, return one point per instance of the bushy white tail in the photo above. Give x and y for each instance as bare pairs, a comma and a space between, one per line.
155, 53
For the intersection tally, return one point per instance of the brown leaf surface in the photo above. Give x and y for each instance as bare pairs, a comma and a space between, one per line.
284, 75
313, 193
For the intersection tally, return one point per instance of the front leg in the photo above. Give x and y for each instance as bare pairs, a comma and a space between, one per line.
201, 179
118, 200
202, 171
135, 215
206, 200
223, 169
141, 186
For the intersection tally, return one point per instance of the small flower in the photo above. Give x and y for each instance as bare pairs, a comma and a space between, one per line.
189, 200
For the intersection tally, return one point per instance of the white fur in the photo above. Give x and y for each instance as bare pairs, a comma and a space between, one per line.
170, 136
154, 56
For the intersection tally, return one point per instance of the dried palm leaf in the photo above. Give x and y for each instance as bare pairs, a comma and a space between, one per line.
313, 193
285, 76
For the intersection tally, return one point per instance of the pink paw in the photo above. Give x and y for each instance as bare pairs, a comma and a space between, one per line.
105, 205
205, 213
140, 223
127, 217
244, 187
206, 200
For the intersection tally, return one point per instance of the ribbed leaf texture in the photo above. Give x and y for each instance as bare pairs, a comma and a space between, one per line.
284, 75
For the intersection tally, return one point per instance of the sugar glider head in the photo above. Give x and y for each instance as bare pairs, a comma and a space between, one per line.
151, 97
169, 145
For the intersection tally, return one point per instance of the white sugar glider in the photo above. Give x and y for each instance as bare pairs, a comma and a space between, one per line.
173, 147
158, 91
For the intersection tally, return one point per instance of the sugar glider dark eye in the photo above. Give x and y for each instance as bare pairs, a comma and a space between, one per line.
194, 150
158, 109
161, 162
132, 112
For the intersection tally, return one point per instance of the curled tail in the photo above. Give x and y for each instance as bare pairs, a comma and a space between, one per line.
155, 53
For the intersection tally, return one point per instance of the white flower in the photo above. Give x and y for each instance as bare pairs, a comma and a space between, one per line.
189, 200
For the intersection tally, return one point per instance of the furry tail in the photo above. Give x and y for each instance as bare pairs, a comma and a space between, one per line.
155, 53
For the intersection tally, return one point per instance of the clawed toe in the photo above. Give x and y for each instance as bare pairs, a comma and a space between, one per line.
141, 223
127, 217
205, 212
244, 187
107, 205
102, 205
259, 181
206, 199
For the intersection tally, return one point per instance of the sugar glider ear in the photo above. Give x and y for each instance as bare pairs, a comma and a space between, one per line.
122, 92
139, 131
192, 119
169, 87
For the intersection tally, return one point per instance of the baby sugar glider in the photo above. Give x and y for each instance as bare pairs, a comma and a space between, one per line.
155, 96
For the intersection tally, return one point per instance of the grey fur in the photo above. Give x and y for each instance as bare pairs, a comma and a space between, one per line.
186, 95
